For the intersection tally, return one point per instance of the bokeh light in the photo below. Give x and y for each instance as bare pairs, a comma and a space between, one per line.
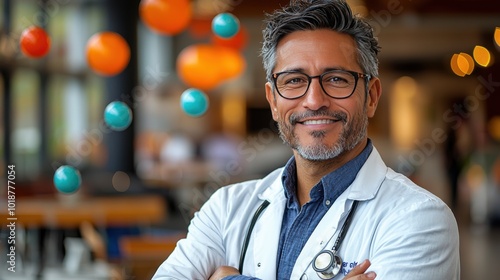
120, 181
482, 56
494, 127
465, 63
462, 64
496, 36
475, 176
454, 66
404, 115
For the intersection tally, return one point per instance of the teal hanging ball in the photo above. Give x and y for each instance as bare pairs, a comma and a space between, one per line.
67, 179
194, 102
117, 115
225, 25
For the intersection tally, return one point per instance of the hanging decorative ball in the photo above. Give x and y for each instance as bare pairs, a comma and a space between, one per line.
194, 102
117, 115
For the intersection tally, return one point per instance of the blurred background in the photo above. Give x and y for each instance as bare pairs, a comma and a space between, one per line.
438, 122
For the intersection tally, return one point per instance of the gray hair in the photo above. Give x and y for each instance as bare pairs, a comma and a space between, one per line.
335, 15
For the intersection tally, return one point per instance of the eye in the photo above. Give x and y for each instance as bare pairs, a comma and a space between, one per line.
334, 79
337, 79
294, 79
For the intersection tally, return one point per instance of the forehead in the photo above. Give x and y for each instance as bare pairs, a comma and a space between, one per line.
311, 50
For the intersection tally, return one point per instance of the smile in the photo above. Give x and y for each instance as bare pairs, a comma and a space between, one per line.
322, 121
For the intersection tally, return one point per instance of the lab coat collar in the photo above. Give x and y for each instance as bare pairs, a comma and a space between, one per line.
364, 187
369, 178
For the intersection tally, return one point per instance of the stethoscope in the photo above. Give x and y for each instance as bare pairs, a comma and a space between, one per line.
326, 263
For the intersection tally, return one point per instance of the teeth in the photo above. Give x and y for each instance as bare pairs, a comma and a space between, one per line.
318, 122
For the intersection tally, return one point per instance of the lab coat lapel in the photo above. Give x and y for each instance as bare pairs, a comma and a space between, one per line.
267, 232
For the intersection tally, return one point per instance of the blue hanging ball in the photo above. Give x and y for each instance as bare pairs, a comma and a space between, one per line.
194, 102
117, 115
67, 179
225, 25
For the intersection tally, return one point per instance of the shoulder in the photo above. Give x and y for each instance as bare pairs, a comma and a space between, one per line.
402, 203
400, 188
409, 225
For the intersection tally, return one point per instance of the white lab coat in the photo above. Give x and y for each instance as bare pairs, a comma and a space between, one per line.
405, 231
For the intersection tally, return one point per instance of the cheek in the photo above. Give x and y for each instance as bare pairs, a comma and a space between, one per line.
283, 112
356, 105
280, 117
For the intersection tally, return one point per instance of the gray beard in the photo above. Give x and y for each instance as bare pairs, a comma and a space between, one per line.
350, 136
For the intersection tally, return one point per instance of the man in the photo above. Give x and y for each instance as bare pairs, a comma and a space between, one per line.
335, 211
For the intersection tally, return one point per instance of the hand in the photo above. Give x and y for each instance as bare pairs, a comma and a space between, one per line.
224, 271
358, 272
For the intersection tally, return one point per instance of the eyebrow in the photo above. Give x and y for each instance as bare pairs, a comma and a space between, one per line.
302, 70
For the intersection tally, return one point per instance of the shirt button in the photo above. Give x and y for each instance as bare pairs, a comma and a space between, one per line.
304, 277
258, 264
327, 202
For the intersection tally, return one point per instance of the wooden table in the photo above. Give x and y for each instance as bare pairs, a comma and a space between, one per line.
70, 211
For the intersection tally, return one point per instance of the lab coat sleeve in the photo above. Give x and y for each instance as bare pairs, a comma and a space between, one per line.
418, 242
201, 252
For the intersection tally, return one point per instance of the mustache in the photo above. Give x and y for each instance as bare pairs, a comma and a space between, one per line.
297, 117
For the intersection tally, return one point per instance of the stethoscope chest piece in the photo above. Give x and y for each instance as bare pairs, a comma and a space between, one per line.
327, 264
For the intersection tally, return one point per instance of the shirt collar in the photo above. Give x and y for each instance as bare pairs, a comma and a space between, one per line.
331, 186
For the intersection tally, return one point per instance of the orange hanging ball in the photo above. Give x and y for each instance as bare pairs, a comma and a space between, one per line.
237, 42
198, 66
34, 42
168, 17
107, 53
231, 62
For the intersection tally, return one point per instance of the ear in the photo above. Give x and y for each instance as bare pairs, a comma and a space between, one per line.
374, 93
271, 99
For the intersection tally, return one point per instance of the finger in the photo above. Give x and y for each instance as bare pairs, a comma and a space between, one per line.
359, 269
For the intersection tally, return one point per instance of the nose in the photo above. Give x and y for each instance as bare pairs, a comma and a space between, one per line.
315, 98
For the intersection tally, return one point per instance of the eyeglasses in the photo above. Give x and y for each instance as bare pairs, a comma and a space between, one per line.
338, 84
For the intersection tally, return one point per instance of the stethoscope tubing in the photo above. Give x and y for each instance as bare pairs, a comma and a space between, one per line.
244, 248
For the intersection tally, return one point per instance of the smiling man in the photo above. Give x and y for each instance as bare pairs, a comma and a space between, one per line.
335, 210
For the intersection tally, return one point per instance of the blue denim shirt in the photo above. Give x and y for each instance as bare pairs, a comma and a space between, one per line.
298, 224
